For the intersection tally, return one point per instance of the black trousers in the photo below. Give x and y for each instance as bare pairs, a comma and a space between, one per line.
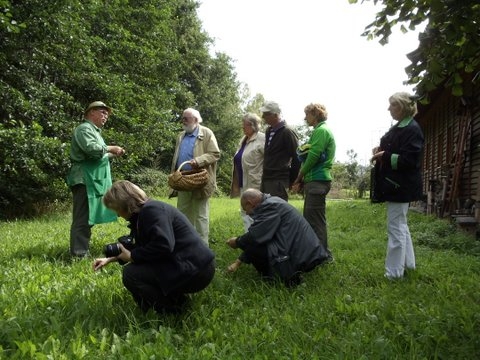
145, 285
80, 230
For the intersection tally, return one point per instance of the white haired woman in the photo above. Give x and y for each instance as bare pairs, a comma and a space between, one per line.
248, 161
398, 180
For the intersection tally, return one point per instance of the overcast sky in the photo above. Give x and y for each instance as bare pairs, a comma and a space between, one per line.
296, 52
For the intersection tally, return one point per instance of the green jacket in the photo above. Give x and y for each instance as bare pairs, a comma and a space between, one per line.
91, 166
321, 154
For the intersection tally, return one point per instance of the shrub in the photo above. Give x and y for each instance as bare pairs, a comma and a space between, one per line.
27, 162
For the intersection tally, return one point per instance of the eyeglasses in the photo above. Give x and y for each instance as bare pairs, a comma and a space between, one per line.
266, 114
103, 111
187, 117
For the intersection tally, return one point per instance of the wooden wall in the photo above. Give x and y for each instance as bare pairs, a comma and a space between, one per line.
451, 162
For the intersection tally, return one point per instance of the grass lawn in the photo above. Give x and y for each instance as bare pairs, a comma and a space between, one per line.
53, 307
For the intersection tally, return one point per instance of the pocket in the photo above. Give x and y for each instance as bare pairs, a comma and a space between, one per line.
390, 186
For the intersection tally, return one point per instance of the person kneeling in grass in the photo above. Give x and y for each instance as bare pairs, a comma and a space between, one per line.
280, 243
168, 259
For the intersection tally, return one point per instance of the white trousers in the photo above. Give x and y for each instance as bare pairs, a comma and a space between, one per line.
400, 253
197, 211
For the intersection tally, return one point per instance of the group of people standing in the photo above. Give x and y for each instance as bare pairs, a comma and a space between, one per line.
171, 256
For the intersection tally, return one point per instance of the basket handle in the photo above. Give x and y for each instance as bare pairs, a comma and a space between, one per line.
181, 165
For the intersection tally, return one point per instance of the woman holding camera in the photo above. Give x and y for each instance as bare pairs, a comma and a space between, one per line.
168, 258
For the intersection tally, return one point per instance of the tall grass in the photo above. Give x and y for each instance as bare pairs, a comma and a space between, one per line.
57, 308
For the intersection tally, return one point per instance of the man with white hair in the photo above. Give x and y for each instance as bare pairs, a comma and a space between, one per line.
280, 163
197, 145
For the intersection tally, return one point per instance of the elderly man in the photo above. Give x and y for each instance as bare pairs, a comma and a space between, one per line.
89, 177
197, 145
280, 242
280, 163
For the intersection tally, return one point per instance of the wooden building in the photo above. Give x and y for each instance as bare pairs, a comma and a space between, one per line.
451, 162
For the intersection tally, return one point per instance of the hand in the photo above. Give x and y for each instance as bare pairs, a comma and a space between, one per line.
101, 262
234, 266
193, 163
116, 150
232, 242
377, 156
297, 187
125, 255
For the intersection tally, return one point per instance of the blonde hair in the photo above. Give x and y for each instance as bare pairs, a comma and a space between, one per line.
406, 102
318, 110
125, 196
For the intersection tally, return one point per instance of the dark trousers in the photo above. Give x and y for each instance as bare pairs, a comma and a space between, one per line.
257, 255
145, 285
80, 230
276, 187
314, 209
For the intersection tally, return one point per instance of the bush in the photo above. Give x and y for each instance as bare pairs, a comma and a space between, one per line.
152, 181
33, 168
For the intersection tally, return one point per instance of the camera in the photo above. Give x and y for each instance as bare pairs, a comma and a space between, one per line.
113, 249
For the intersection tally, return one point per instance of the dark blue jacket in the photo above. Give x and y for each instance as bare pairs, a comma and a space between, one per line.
397, 176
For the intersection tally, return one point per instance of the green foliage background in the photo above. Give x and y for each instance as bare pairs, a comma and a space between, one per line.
148, 59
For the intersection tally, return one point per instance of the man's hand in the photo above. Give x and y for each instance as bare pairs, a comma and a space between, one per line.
232, 242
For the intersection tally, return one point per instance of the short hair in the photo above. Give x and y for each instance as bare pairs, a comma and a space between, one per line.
125, 196
252, 119
195, 113
318, 110
406, 101
252, 195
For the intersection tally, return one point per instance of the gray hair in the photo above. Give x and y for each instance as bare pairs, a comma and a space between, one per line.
195, 113
252, 119
406, 101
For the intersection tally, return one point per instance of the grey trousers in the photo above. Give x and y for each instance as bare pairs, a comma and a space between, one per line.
80, 230
314, 209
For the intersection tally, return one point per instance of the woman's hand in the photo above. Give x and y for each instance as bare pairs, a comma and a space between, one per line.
125, 255
377, 156
101, 262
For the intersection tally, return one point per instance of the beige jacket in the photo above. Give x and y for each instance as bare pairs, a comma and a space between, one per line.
252, 164
206, 153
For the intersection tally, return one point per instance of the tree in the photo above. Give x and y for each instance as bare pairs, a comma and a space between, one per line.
449, 49
148, 59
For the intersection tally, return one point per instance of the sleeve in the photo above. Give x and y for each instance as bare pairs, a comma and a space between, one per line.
211, 152
408, 155
265, 225
88, 141
318, 144
295, 162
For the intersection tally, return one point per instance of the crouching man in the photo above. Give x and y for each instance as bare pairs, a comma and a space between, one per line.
280, 243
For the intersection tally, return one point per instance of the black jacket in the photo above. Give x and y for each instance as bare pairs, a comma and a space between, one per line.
397, 176
165, 237
280, 159
291, 243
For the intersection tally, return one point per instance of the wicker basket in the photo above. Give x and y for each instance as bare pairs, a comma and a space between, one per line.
187, 180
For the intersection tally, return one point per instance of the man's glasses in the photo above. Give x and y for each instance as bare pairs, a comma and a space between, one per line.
103, 111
